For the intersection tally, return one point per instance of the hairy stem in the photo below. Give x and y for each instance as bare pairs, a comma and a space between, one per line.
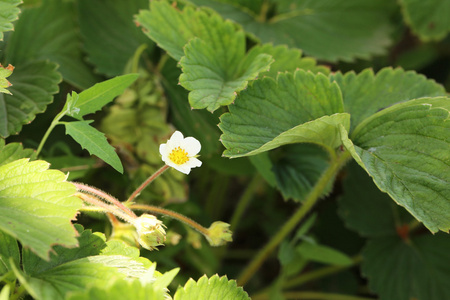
307, 205
171, 214
313, 296
104, 196
90, 199
147, 182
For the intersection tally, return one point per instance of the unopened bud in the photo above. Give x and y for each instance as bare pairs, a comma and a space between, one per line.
150, 231
219, 234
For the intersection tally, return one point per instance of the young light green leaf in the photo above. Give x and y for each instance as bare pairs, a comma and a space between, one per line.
413, 269
71, 270
94, 141
4, 83
429, 20
113, 21
9, 14
37, 206
32, 90
9, 249
329, 30
12, 152
36, 38
94, 98
405, 149
299, 107
210, 288
214, 73
323, 254
366, 93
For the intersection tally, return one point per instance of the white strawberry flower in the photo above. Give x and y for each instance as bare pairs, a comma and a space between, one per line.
181, 153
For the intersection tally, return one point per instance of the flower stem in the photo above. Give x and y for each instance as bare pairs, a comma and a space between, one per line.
307, 205
49, 130
319, 273
104, 196
147, 182
105, 207
244, 201
171, 214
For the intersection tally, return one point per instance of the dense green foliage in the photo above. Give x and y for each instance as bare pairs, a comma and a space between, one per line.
325, 144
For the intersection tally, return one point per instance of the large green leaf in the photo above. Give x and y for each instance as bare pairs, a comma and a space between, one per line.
94, 98
73, 269
37, 206
405, 149
211, 288
326, 29
428, 19
297, 168
299, 107
9, 249
214, 63
286, 60
110, 37
12, 152
416, 268
366, 93
367, 210
94, 141
49, 31
33, 86
9, 13
214, 73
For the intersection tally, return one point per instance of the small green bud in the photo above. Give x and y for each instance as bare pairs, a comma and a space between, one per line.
150, 231
219, 234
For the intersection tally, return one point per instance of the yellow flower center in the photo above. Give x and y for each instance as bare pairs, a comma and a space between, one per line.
178, 156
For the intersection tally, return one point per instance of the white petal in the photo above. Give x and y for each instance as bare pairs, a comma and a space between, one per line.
182, 168
191, 145
175, 140
193, 162
163, 150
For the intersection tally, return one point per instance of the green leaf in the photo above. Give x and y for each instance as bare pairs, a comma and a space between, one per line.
214, 73
9, 249
285, 60
12, 152
120, 290
367, 210
49, 32
37, 205
297, 168
73, 269
4, 83
94, 141
299, 107
411, 269
33, 86
429, 20
9, 14
214, 63
329, 30
405, 149
120, 37
323, 254
366, 93
97, 96
209, 288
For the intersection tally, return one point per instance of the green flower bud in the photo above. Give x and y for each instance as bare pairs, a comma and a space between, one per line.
219, 233
150, 231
